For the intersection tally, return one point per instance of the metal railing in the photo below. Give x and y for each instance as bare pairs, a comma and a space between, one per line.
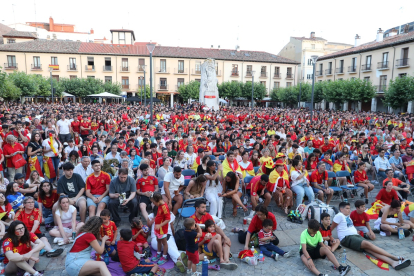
319, 73
382, 64
339, 70
124, 69
381, 88
89, 67
162, 70
10, 66
107, 68
277, 75
125, 86
402, 62
36, 66
352, 69
163, 87
366, 67
289, 76
180, 70
263, 74
234, 73
196, 71
328, 72
72, 67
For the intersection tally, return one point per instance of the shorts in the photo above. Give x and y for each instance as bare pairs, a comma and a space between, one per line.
353, 241
144, 199
111, 248
193, 257
314, 253
79, 199
90, 202
239, 190
142, 268
368, 166
208, 253
363, 229
39, 236
160, 236
407, 217
261, 196
316, 190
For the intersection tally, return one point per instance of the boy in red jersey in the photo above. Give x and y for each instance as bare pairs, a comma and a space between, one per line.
146, 185
162, 219
361, 220
326, 232
109, 229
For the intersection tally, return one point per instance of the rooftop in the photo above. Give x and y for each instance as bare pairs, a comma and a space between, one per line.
373, 45
309, 38
71, 47
14, 33
4, 30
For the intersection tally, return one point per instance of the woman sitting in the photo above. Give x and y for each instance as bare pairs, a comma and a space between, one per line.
136, 160
180, 160
151, 170
34, 180
311, 163
389, 224
74, 158
213, 188
5, 207
387, 194
165, 168
201, 169
78, 260
300, 183
14, 196
47, 198
18, 250
196, 187
3, 183
233, 190
279, 185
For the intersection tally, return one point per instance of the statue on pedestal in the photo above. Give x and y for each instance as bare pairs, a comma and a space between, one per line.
208, 85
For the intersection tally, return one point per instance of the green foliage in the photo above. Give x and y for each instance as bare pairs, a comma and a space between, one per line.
145, 92
236, 89
8, 90
259, 90
229, 90
26, 83
112, 87
88, 86
400, 92
190, 90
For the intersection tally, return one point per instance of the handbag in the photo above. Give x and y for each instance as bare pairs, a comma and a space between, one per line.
18, 161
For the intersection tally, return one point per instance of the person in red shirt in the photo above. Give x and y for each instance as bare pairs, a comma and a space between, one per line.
326, 232
17, 241
46, 199
97, 189
387, 194
319, 183
140, 234
146, 186
361, 220
11, 148
161, 220
258, 189
401, 187
361, 179
130, 264
85, 127
108, 228
326, 146
75, 125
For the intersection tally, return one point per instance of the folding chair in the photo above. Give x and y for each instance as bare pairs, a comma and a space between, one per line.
187, 209
345, 187
222, 157
247, 180
188, 172
256, 169
186, 182
353, 181
333, 187
160, 184
213, 157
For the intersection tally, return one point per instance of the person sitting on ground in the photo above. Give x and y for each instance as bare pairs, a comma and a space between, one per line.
13, 196
131, 265
326, 232
192, 234
146, 186
361, 220
46, 200
265, 237
389, 224
258, 190
319, 182
232, 189
5, 207
348, 235
399, 186
140, 235
109, 229
361, 179
312, 248
387, 193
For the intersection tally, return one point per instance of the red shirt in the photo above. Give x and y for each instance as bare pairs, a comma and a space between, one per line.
83, 242
387, 197
360, 176
48, 201
75, 126
108, 230
256, 223
6, 208
256, 188
85, 124
395, 182
203, 219
317, 177
29, 219
1, 164
21, 248
8, 150
125, 250
147, 184
327, 147
325, 232
359, 219
163, 214
98, 184
140, 238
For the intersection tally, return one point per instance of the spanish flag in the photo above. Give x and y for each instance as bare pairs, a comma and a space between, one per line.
373, 212
378, 262
33, 165
48, 167
227, 168
248, 170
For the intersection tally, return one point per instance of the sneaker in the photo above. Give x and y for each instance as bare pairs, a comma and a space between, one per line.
366, 237
376, 230
57, 240
179, 264
161, 261
189, 271
184, 258
54, 252
288, 254
275, 256
156, 258
214, 267
42, 252
196, 273
366, 201
343, 270
362, 195
252, 213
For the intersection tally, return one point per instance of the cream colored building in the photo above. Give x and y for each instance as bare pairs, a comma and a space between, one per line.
125, 60
301, 49
378, 61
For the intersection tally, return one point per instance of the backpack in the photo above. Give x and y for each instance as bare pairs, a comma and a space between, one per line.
180, 240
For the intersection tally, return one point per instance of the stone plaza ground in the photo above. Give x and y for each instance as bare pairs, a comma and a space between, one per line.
289, 235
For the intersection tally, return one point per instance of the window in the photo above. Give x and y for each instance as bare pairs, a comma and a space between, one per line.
90, 77
404, 57
340, 79
249, 70
263, 83
72, 77
263, 71
310, 61
163, 83
289, 72
276, 85
72, 63
11, 61
198, 67
367, 79
11, 40
180, 81
277, 72
330, 65
36, 63
124, 64
108, 64
353, 64
309, 76
313, 46
217, 72
108, 78
54, 61
125, 82
368, 60
353, 78
320, 69
91, 64
288, 84
181, 66
140, 82
235, 70
56, 77
163, 65
141, 63
121, 37
199, 80
402, 75
383, 83
384, 57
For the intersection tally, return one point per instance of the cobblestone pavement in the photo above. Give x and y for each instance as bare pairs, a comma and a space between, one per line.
289, 235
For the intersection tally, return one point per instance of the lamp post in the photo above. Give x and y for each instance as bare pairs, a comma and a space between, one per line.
300, 93
314, 58
51, 82
252, 87
150, 48
141, 78
145, 88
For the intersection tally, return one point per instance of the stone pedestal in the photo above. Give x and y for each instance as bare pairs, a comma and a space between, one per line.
374, 104
390, 110
323, 105
410, 107
208, 85
345, 107
171, 100
359, 106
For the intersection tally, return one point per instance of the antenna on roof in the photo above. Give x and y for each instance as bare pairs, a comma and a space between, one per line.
237, 43
35, 14
14, 16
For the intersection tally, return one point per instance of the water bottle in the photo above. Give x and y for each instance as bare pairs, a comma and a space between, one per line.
261, 258
252, 249
343, 262
106, 258
205, 267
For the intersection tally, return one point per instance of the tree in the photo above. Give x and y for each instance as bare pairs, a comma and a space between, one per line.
112, 87
334, 91
190, 90
288, 95
8, 90
145, 92
318, 91
259, 90
26, 83
399, 92
230, 90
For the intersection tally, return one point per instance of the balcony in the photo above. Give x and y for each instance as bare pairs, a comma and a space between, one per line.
36, 67
352, 69
124, 69
289, 76
319, 73
107, 68
90, 68
402, 63
162, 70
10, 66
383, 65
196, 71
328, 72
366, 68
125, 86
141, 68
163, 87
234, 73
277, 75
339, 70
177, 87
381, 88
248, 74
72, 67
263, 75
180, 71
218, 72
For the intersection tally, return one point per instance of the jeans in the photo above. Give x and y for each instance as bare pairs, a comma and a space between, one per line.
242, 238
40, 159
12, 172
300, 191
56, 162
47, 215
269, 247
114, 205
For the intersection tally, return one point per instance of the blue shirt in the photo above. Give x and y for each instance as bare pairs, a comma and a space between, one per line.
15, 200
308, 150
136, 161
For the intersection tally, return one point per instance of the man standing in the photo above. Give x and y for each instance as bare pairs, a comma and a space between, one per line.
85, 127
64, 129
97, 189
120, 186
146, 185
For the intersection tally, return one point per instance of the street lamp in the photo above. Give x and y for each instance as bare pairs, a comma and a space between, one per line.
51, 82
145, 88
150, 48
252, 86
141, 78
314, 58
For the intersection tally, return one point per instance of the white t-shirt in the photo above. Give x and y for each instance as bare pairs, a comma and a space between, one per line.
68, 149
151, 217
63, 126
345, 226
46, 146
66, 217
174, 183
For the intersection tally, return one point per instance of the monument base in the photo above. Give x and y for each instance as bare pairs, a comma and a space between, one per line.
211, 103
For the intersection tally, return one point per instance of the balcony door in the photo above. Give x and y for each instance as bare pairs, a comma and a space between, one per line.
383, 83
36, 62
368, 62
163, 65
163, 83
385, 59
72, 63
181, 66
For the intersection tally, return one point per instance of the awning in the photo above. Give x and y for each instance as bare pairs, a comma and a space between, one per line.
105, 95
64, 94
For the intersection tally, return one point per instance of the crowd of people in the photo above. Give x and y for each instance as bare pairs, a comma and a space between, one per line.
59, 162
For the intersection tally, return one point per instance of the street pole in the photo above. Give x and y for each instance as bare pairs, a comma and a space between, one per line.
150, 86
252, 89
141, 91
145, 91
51, 83
300, 92
313, 89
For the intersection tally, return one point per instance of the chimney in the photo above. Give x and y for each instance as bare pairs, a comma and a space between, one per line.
92, 31
380, 35
393, 32
212, 46
357, 40
51, 24
237, 48
218, 47
312, 35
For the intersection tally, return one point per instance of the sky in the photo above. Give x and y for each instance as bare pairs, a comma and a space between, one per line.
253, 25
